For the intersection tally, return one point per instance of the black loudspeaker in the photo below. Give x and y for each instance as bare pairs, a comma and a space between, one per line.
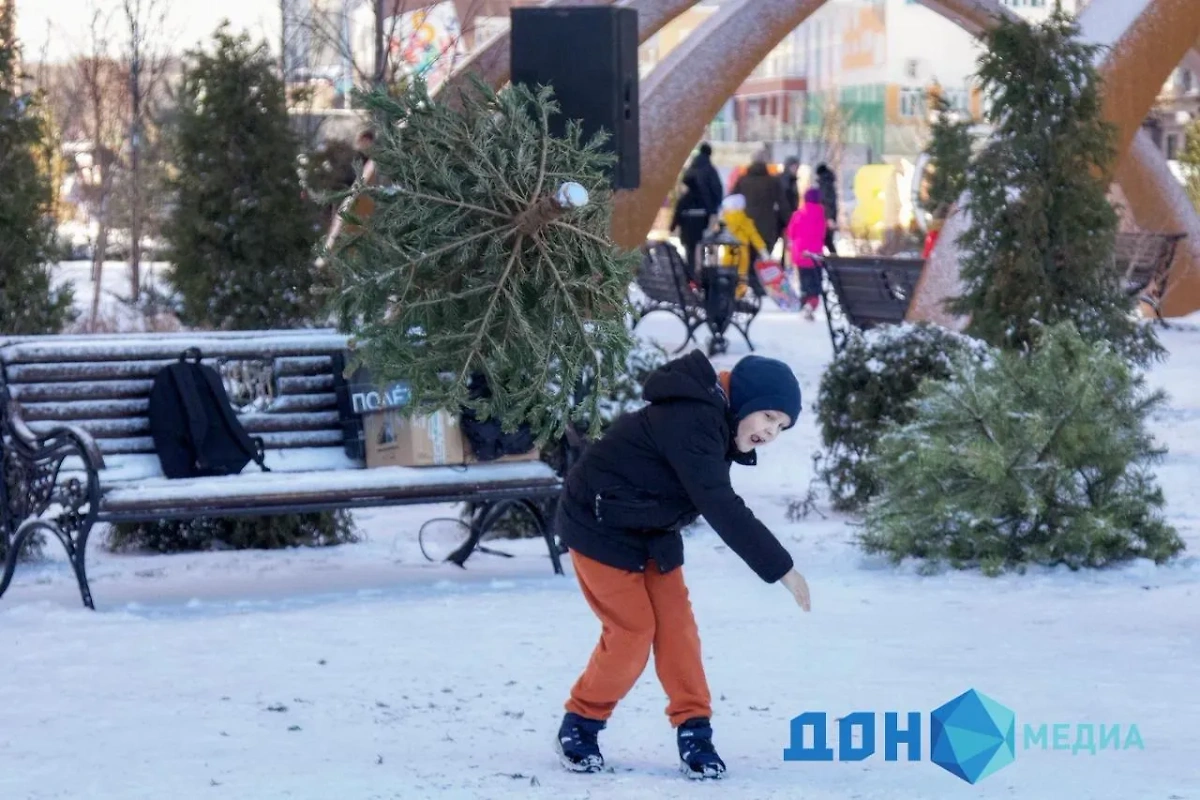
588, 55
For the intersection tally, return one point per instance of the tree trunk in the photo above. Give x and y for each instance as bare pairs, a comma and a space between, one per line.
98, 256
380, 46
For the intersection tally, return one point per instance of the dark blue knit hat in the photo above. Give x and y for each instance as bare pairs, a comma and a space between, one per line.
763, 384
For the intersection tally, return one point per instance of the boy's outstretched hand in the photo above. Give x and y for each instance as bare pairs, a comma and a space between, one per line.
796, 584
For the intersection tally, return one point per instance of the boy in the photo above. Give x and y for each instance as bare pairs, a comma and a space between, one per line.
622, 509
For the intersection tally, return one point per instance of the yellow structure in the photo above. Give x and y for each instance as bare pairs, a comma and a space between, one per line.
877, 201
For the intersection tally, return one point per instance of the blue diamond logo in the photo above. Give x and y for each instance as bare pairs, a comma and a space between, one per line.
972, 736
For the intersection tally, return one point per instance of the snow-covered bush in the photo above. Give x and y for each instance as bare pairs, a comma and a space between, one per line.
234, 533
1024, 458
866, 389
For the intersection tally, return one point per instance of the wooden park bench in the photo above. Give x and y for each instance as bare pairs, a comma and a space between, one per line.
866, 292
1143, 259
77, 449
664, 286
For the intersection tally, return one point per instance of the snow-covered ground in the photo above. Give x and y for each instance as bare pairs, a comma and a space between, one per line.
366, 671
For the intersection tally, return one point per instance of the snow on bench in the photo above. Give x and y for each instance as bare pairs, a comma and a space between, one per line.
79, 450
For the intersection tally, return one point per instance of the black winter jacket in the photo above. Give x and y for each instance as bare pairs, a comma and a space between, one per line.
656, 470
766, 203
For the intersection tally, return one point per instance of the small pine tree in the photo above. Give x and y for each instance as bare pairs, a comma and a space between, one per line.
949, 152
1025, 458
29, 302
241, 236
1189, 159
1039, 249
241, 243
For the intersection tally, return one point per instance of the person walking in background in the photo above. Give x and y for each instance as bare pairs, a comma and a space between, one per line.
790, 180
806, 234
827, 183
766, 205
691, 218
708, 180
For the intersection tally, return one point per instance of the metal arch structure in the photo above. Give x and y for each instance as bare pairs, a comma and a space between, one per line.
687, 89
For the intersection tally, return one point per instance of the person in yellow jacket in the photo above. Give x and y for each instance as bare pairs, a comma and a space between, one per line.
742, 228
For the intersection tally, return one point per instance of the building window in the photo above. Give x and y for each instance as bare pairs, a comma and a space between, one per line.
1172, 146
912, 103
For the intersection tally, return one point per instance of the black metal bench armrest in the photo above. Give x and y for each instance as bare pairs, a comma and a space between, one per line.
34, 480
89, 451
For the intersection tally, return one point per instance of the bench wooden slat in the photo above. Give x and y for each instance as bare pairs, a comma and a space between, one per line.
304, 366
303, 402
83, 371
241, 344
85, 409
35, 392
42, 372
304, 384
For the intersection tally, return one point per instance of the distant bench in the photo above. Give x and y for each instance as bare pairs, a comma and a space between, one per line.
77, 448
664, 286
867, 292
1143, 260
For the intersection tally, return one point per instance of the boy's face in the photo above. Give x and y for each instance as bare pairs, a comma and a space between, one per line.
760, 429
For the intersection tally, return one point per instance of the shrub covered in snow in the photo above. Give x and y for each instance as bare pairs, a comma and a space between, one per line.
1041, 458
866, 389
235, 533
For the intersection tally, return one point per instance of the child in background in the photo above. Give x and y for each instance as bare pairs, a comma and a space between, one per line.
806, 234
742, 228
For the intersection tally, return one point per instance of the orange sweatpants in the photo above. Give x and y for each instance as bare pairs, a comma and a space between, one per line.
640, 612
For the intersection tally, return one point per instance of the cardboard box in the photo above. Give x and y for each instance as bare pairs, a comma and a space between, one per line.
393, 439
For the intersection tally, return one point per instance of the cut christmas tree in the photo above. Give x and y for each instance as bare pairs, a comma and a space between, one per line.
485, 276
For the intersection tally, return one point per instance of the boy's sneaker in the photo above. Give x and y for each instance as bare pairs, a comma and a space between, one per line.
697, 756
576, 744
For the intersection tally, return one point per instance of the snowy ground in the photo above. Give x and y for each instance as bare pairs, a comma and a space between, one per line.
367, 672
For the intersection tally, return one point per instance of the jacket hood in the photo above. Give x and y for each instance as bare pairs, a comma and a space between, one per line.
689, 378
757, 168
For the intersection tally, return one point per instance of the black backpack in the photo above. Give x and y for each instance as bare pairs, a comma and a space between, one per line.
195, 430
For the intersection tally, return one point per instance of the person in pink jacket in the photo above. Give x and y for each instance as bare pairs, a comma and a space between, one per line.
806, 234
